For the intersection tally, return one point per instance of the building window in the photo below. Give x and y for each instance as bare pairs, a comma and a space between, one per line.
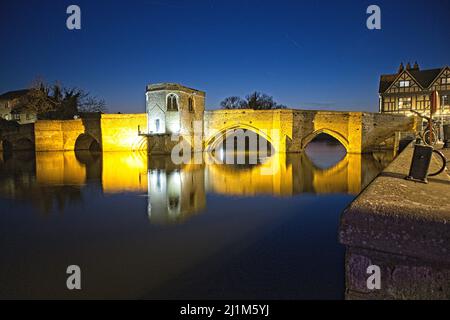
389, 104
445, 101
445, 81
172, 102
422, 102
157, 125
16, 116
404, 103
191, 104
404, 83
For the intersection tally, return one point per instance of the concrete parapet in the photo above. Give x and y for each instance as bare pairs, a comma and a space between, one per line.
403, 227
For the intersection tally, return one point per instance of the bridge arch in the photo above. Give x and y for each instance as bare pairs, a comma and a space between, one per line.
339, 137
217, 137
86, 142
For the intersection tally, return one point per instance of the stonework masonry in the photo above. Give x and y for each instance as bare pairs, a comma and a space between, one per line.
402, 227
173, 109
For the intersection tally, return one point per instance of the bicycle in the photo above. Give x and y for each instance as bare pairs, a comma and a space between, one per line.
429, 136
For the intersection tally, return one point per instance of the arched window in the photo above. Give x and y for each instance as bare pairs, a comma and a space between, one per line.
191, 104
172, 102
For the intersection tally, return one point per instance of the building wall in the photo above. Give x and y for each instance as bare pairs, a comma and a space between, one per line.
6, 106
416, 97
174, 122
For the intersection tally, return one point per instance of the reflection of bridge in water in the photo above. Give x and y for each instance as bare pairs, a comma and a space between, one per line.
175, 192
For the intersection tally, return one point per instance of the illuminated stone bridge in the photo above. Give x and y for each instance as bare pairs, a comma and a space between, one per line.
173, 109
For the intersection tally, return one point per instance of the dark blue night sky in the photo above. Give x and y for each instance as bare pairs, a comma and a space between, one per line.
307, 54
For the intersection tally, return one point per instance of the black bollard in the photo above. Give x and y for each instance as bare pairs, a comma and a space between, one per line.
420, 163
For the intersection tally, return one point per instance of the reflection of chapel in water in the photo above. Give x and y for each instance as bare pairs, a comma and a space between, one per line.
174, 193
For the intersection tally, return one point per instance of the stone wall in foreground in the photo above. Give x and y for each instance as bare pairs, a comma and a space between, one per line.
402, 227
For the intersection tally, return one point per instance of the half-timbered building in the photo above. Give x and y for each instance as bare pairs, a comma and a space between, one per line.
410, 89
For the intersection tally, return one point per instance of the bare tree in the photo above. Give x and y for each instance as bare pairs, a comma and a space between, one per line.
57, 102
38, 100
233, 103
255, 100
92, 104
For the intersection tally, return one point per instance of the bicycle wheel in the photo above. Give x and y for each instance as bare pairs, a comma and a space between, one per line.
429, 137
441, 160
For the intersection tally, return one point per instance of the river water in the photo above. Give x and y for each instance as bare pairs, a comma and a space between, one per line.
142, 227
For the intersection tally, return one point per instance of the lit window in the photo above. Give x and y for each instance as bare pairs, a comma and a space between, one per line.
445, 81
172, 102
445, 101
404, 103
404, 83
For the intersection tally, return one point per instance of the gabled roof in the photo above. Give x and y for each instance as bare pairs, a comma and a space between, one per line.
385, 81
173, 86
13, 94
423, 77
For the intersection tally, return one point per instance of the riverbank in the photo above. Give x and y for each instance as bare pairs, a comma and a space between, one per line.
402, 227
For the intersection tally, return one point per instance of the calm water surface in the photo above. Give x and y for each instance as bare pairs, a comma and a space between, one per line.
143, 227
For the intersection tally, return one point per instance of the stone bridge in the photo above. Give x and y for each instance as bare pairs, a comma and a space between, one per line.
291, 130
287, 130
